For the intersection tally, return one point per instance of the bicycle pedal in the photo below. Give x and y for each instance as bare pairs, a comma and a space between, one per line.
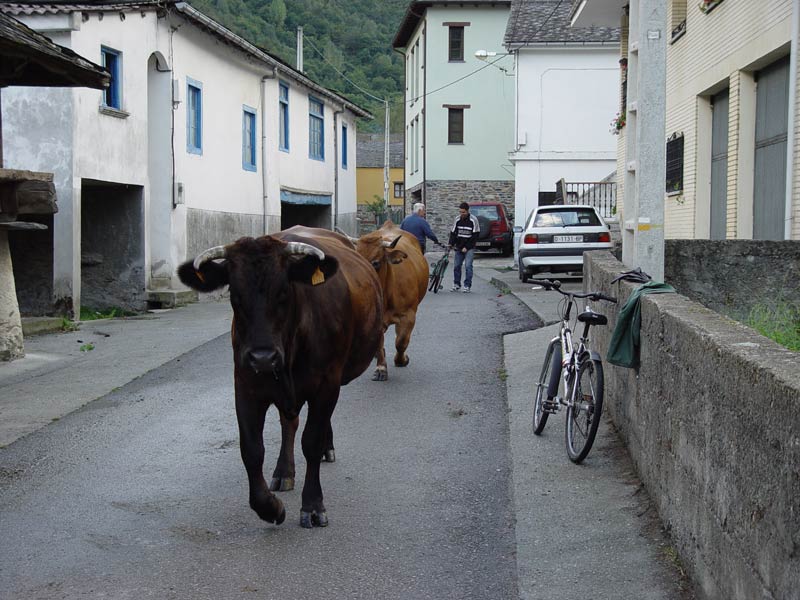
550, 406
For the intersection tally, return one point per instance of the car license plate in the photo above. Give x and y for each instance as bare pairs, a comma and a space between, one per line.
486, 243
561, 239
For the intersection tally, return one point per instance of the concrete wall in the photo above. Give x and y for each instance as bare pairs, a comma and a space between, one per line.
211, 228
566, 98
711, 420
733, 276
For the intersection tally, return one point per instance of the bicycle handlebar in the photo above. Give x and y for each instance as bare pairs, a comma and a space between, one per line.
594, 296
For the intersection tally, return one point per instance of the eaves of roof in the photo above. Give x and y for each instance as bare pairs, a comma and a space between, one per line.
31, 59
416, 12
201, 21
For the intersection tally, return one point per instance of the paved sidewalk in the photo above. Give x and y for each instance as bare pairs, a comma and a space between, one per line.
63, 371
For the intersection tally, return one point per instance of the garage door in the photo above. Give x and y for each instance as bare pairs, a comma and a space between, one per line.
769, 195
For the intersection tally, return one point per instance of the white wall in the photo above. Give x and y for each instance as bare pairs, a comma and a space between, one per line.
566, 99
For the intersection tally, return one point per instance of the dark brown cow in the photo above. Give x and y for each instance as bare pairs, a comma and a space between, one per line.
403, 272
307, 315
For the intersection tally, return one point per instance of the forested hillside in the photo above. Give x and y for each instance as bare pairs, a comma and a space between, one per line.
355, 36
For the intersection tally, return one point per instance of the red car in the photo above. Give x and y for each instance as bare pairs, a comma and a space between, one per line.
496, 232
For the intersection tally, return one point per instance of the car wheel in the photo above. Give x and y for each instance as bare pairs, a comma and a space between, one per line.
523, 274
507, 250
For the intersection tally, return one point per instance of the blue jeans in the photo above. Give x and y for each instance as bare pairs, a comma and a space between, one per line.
459, 259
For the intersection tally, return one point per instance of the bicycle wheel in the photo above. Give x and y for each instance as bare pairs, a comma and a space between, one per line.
551, 372
583, 417
436, 277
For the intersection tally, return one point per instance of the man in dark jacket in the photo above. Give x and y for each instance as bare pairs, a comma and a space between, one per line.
416, 225
463, 236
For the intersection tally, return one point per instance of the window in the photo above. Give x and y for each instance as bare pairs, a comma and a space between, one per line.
675, 164
283, 106
112, 95
455, 125
316, 129
678, 18
456, 45
399, 189
249, 139
344, 146
566, 217
194, 116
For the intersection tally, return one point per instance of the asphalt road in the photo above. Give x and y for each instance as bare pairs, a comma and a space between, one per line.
142, 494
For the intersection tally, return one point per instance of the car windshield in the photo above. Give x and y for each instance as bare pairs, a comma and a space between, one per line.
567, 217
490, 212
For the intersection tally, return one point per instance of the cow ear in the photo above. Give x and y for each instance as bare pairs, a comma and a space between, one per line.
212, 276
397, 256
311, 270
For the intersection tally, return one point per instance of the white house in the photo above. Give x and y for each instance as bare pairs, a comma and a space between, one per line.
567, 94
201, 138
459, 105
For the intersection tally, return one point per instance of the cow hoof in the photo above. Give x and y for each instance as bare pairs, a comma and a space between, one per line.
401, 362
329, 456
281, 484
380, 375
313, 519
271, 516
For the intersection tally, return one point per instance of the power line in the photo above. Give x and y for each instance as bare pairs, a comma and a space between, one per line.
342, 75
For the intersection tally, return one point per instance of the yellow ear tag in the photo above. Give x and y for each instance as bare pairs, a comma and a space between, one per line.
317, 277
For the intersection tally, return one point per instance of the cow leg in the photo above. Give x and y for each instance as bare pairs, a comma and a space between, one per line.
403, 331
329, 453
313, 513
250, 412
283, 475
381, 372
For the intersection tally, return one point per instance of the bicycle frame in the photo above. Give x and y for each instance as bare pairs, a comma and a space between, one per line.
570, 356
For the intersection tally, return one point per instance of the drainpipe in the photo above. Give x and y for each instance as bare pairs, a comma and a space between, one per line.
336, 167
264, 178
787, 233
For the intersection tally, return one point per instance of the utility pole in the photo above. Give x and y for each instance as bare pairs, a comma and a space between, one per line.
386, 159
300, 49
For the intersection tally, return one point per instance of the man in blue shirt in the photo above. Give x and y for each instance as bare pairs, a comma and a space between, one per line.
416, 225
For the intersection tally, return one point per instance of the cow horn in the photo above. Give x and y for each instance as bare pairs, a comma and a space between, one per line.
207, 255
393, 243
301, 248
352, 239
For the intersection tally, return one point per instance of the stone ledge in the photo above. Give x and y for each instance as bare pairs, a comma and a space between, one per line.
170, 298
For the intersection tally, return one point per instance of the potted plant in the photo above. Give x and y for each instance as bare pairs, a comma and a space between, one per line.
617, 123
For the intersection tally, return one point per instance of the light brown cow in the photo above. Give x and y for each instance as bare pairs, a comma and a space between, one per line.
403, 272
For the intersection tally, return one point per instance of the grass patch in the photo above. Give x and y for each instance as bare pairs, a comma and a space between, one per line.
92, 314
779, 322
87, 347
67, 325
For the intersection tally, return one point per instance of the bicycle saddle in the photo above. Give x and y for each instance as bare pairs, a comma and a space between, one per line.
593, 318
635, 276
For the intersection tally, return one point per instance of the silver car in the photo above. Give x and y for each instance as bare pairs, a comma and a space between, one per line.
555, 238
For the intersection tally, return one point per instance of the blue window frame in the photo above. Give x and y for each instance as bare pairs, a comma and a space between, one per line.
283, 101
316, 129
194, 116
112, 61
344, 146
248, 138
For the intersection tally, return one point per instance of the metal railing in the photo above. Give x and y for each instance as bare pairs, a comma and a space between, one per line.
600, 194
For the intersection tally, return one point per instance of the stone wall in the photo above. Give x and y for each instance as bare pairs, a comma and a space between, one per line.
711, 419
443, 197
732, 276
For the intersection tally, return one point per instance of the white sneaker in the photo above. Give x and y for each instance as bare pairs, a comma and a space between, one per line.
455, 288
466, 290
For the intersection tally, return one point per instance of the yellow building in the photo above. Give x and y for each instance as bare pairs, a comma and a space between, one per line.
369, 174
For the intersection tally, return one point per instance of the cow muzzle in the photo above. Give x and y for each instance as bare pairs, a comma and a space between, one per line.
266, 361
